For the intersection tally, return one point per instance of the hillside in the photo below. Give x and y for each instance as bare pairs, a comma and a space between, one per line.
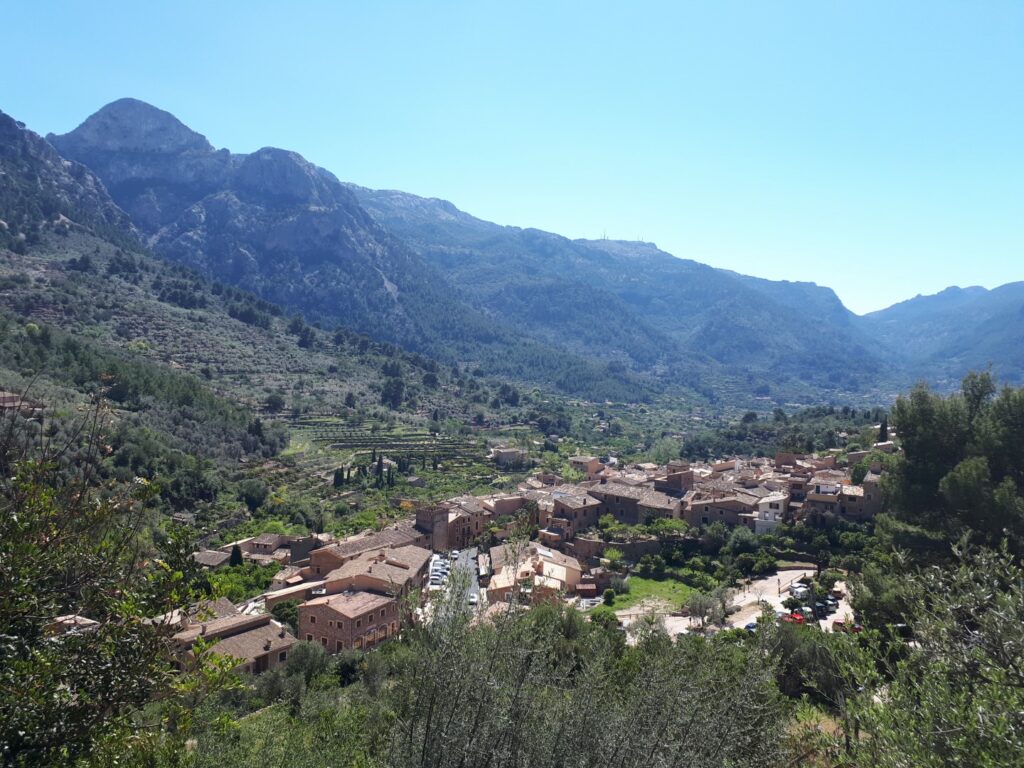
600, 319
959, 329
274, 224
205, 384
782, 336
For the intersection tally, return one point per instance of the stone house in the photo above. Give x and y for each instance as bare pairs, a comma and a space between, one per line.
259, 642
350, 619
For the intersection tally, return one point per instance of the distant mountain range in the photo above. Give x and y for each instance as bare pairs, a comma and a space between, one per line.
600, 318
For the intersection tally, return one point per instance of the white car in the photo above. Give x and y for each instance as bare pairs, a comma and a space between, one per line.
474, 598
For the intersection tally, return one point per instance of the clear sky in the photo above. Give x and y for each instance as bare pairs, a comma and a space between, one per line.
877, 148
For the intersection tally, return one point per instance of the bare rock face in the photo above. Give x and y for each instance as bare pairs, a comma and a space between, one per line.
38, 187
270, 222
130, 125
153, 165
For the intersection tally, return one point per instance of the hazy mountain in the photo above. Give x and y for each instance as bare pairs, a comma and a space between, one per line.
277, 225
656, 304
84, 272
939, 337
270, 221
587, 316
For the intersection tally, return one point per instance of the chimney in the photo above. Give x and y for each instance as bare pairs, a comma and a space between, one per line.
268, 644
281, 632
202, 629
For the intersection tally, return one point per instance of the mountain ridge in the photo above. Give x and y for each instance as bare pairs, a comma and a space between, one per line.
423, 273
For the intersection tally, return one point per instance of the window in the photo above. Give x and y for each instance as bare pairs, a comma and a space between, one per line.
340, 625
312, 619
309, 638
359, 623
323, 641
382, 613
330, 623
282, 656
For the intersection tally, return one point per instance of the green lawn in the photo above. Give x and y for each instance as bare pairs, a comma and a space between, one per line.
668, 589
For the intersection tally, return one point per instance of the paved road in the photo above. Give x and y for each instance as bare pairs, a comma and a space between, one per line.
466, 564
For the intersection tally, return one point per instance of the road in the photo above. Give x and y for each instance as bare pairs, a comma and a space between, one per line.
466, 566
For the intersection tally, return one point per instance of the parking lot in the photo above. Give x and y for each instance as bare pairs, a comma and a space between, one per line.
774, 591
462, 569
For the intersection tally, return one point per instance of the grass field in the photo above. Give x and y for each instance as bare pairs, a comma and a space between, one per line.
668, 590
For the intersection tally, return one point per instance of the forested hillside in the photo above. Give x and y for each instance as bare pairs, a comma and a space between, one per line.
276, 225
198, 378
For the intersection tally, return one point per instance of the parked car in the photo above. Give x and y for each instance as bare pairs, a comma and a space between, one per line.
750, 626
474, 598
820, 611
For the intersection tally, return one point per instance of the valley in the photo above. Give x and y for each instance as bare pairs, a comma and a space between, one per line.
293, 469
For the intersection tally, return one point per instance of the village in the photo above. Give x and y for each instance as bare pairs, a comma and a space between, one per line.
581, 540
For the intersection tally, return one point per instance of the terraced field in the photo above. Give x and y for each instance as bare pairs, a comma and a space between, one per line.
358, 442
322, 444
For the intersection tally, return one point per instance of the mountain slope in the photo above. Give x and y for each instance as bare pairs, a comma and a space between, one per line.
939, 337
793, 334
268, 222
41, 191
272, 223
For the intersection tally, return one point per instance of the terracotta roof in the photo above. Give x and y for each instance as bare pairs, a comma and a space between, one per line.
248, 645
644, 496
221, 627
396, 566
216, 609
394, 536
500, 554
211, 558
269, 538
352, 604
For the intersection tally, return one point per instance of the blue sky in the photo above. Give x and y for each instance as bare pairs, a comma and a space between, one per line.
877, 148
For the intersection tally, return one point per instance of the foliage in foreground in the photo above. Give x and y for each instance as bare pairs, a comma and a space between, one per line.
70, 548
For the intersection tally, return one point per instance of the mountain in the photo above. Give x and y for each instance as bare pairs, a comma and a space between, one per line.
939, 337
268, 222
660, 309
597, 318
85, 273
41, 190
273, 223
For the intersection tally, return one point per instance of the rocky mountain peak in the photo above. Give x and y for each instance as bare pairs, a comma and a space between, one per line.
130, 125
285, 177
